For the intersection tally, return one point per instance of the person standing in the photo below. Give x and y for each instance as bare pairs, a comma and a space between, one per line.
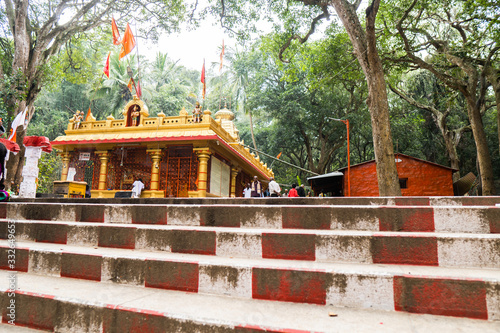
247, 191
301, 191
137, 188
293, 192
274, 188
256, 188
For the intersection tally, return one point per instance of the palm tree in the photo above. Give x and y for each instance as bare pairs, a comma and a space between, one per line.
240, 65
115, 90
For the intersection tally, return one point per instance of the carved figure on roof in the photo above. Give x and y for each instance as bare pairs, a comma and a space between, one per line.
135, 115
77, 119
196, 112
135, 109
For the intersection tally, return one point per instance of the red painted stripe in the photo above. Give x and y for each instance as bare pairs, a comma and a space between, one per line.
92, 213
3, 210
79, 266
172, 275
193, 241
412, 201
21, 259
118, 237
306, 217
36, 311
51, 233
406, 219
227, 216
133, 321
404, 250
289, 285
493, 216
289, 246
445, 297
149, 215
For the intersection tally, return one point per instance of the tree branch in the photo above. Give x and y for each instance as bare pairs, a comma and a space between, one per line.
314, 22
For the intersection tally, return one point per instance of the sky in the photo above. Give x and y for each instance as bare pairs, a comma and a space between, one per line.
190, 47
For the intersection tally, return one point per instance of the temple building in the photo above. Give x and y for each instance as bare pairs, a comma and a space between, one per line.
174, 156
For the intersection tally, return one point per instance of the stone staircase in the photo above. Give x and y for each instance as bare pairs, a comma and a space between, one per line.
253, 265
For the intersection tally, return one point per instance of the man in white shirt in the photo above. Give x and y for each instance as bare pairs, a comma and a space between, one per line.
274, 188
247, 191
137, 188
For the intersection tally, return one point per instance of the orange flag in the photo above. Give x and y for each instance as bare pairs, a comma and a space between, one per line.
87, 117
129, 85
128, 42
116, 33
106, 67
202, 80
279, 155
221, 55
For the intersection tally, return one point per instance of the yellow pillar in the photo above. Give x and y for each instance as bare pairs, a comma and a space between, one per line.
203, 156
155, 168
103, 172
65, 165
234, 173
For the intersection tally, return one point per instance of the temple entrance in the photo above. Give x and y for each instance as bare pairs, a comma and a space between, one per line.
179, 174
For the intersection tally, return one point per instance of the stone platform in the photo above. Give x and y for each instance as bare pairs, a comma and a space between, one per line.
253, 265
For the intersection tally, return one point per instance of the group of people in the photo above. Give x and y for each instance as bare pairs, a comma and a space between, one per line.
254, 190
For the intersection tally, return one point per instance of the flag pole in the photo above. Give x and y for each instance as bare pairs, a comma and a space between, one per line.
137, 51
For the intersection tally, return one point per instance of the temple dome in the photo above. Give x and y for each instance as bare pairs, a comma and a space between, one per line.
225, 114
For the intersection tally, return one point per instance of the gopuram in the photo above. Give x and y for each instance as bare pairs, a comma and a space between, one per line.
174, 156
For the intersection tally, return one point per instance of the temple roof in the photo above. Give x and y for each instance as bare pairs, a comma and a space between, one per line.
218, 133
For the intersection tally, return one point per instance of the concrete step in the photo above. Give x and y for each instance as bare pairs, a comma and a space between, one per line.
70, 305
12, 328
472, 293
410, 248
358, 201
376, 218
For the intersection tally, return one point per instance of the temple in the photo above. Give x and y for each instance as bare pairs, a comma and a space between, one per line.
174, 156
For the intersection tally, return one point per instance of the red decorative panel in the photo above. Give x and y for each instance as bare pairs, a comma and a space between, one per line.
179, 171
126, 165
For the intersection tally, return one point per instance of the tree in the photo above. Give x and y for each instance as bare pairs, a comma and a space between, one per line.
430, 96
457, 55
365, 49
39, 30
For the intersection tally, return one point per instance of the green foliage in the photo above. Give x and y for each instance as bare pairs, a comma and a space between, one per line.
50, 166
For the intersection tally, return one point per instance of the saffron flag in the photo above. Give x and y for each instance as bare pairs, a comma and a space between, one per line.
87, 117
129, 85
116, 33
221, 55
279, 155
138, 89
202, 80
106, 67
128, 42
18, 121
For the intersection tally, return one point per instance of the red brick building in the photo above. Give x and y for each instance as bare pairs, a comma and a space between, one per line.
416, 177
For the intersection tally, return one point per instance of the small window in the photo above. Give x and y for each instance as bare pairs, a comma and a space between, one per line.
403, 183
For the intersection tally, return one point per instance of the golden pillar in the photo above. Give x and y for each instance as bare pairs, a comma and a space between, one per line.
234, 173
65, 165
103, 172
155, 168
203, 156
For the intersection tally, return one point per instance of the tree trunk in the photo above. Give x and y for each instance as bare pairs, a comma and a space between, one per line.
483, 153
251, 132
493, 76
366, 52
